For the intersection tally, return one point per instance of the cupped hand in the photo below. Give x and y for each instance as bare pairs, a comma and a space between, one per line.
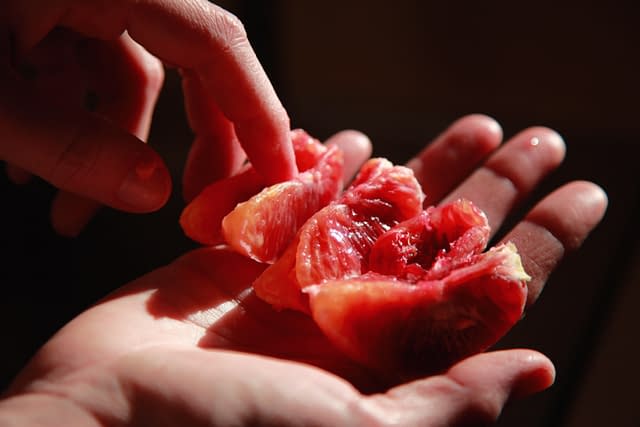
79, 83
190, 344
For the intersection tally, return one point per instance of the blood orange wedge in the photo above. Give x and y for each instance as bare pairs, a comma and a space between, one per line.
263, 226
405, 291
335, 242
429, 298
432, 243
409, 329
319, 182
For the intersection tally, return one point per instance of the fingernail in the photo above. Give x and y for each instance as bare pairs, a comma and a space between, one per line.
537, 379
147, 185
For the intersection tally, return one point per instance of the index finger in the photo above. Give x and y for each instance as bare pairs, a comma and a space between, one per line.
192, 34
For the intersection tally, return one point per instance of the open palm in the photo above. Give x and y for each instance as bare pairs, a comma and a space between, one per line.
190, 344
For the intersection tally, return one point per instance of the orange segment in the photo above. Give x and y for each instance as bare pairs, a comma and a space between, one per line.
201, 220
335, 242
263, 226
419, 329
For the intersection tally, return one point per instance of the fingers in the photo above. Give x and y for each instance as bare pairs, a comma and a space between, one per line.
211, 42
79, 152
473, 392
125, 81
511, 173
216, 151
555, 226
489, 380
454, 154
195, 35
356, 149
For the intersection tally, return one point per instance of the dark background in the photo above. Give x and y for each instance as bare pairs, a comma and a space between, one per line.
401, 72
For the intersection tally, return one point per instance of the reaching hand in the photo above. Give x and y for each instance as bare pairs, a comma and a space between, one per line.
61, 58
190, 344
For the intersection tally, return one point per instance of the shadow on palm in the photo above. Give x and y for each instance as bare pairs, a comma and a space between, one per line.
212, 291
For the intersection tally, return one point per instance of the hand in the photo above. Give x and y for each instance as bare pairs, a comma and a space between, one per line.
59, 59
190, 344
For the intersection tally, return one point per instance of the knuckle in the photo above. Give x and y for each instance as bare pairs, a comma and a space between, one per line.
482, 411
480, 407
152, 74
76, 159
231, 26
227, 30
145, 69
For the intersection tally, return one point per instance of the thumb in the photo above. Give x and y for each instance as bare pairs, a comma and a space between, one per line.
79, 152
473, 392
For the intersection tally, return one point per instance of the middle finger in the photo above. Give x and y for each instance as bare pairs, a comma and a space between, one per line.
455, 154
511, 173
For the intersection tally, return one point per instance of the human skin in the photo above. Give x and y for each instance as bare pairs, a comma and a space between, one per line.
190, 344
60, 58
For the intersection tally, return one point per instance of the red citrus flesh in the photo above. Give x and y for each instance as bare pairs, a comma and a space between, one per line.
263, 226
416, 329
335, 242
430, 245
428, 296
318, 183
405, 291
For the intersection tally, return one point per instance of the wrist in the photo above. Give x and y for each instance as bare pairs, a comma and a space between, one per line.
42, 410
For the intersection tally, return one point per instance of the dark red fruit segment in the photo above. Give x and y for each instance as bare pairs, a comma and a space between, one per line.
201, 220
335, 242
263, 226
431, 244
415, 329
